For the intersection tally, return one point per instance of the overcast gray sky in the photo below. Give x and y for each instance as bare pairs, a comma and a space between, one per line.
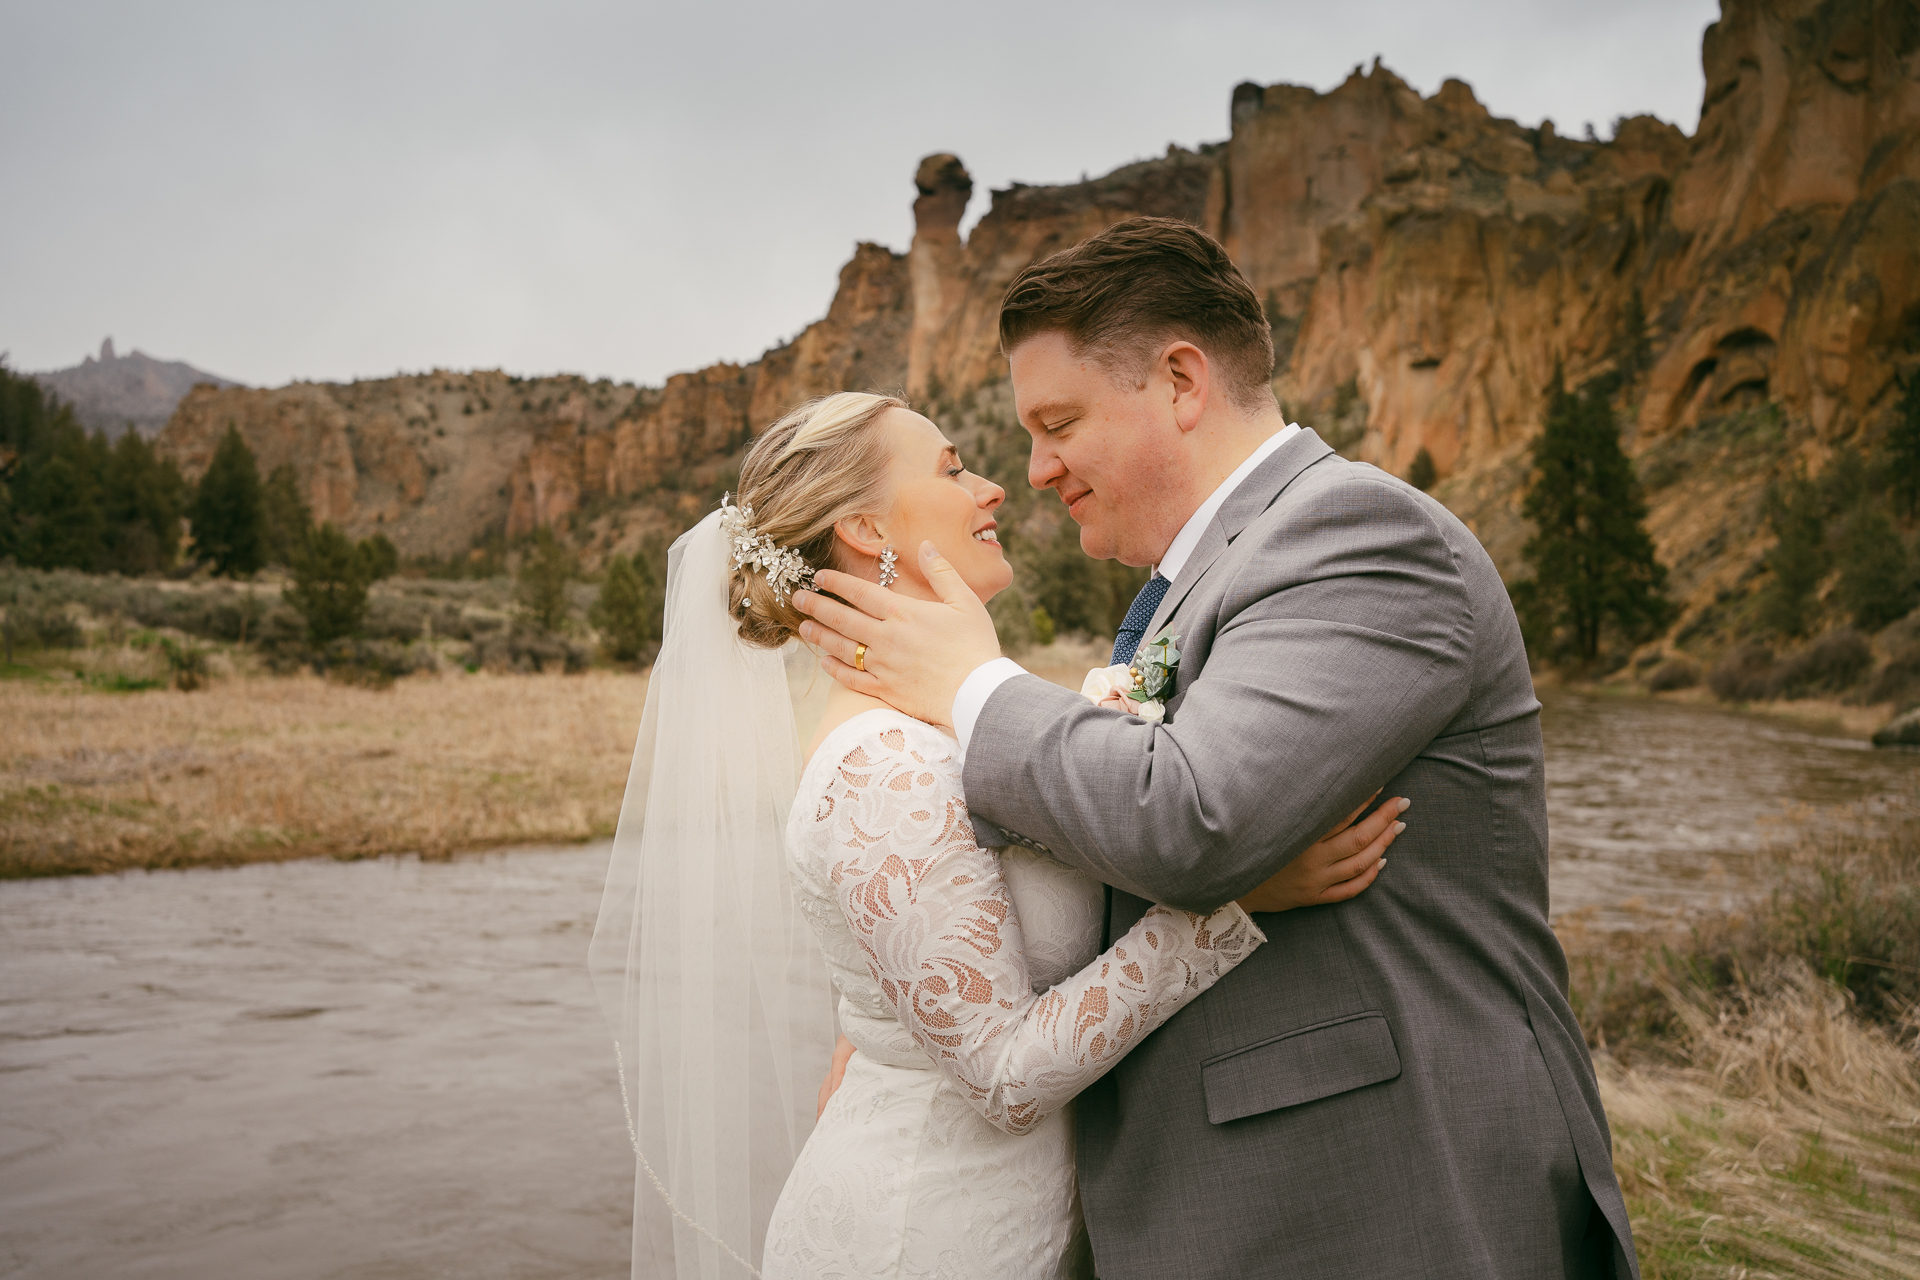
275, 191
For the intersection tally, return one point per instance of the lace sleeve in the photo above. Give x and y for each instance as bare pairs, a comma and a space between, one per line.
931, 910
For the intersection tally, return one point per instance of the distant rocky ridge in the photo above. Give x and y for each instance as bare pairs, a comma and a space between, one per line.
1426, 266
114, 392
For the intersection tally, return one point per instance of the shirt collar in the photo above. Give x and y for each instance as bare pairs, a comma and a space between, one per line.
1189, 536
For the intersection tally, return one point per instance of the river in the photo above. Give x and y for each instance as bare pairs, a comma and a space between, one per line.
393, 1068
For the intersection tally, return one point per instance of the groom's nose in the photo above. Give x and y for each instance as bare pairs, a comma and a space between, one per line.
1044, 467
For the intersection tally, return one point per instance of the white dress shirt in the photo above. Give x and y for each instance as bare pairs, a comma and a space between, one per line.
980, 683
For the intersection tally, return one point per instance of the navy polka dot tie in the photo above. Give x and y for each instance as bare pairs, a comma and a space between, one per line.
1133, 628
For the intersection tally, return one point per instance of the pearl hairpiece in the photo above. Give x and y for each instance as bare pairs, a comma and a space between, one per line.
785, 568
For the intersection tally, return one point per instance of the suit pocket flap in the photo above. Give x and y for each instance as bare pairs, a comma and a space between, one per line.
1301, 1066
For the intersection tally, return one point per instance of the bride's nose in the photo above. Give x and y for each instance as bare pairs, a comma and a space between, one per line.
986, 493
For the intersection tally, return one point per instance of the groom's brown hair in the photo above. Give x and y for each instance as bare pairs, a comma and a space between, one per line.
1123, 294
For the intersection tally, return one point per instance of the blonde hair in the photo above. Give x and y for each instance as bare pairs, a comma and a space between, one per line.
818, 465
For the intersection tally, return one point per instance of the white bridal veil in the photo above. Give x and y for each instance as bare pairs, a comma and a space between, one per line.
713, 986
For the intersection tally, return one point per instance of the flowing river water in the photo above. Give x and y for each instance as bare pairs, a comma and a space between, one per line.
393, 1068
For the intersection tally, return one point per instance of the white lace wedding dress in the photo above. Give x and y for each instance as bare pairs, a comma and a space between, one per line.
970, 986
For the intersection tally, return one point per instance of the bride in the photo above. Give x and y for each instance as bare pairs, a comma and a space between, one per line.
977, 996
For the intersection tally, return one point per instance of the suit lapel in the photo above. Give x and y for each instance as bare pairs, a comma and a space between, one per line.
1255, 494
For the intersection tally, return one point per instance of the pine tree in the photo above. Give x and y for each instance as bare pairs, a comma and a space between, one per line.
50, 498
287, 518
379, 558
1422, 474
628, 612
1798, 557
1632, 349
540, 586
1593, 562
143, 501
226, 514
330, 578
1875, 587
1078, 592
1903, 451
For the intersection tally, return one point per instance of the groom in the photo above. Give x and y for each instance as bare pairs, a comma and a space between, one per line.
1391, 1086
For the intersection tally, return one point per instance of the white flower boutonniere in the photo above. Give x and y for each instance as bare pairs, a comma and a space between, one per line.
1154, 667
1140, 688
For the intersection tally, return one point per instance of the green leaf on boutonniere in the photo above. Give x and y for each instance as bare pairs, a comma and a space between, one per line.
1154, 667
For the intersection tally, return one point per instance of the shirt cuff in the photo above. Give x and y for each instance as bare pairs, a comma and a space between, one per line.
974, 692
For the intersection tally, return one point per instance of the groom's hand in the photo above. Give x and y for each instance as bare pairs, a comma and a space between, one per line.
918, 652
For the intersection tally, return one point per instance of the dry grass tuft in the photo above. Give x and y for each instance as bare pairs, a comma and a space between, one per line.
265, 768
1760, 1070
1786, 1142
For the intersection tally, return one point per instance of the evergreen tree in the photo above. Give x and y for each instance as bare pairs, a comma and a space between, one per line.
1422, 475
379, 559
330, 579
143, 502
50, 497
1077, 592
1798, 557
628, 612
226, 514
1903, 451
540, 587
1875, 586
1632, 348
65, 528
1592, 559
286, 517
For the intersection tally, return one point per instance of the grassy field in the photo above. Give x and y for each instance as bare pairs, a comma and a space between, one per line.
261, 767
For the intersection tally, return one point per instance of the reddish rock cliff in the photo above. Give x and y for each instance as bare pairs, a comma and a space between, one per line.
1426, 266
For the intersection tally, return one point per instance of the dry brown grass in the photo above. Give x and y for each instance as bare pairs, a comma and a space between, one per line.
1786, 1143
262, 768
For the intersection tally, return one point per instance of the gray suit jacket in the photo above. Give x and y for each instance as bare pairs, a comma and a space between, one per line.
1391, 1086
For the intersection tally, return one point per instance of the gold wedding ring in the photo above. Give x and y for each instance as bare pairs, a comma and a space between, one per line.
859, 657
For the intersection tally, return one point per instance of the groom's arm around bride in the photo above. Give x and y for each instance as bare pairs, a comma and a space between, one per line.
1394, 1085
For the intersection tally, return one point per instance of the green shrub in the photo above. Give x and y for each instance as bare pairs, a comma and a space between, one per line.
1674, 673
524, 646
331, 574
1423, 475
1798, 557
1876, 586
1834, 663
186, 663
1744, 675
540, 586
286, 518
628, 613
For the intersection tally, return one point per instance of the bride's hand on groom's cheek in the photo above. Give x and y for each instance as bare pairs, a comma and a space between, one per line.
918, 652
1341, 865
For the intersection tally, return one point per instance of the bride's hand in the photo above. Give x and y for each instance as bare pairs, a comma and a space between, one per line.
842, 1050
1344, 861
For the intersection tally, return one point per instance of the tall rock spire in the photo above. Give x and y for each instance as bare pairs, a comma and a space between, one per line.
934, 262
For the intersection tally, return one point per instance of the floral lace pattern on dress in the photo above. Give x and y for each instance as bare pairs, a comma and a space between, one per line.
932, 912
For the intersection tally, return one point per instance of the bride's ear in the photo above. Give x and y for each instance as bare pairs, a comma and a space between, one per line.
860, 535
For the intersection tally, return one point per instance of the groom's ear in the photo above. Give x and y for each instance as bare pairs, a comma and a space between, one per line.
1190, 379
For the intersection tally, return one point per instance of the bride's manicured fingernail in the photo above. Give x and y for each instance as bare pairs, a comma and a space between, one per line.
806, 632
1398, 827
1405, 805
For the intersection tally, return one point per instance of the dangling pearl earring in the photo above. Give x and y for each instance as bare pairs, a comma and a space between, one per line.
888, 570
